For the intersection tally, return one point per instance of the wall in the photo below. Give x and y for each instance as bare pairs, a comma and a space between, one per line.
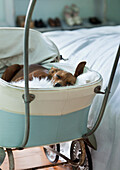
7, 13
113, 10
88, 8
54, 8
2, 13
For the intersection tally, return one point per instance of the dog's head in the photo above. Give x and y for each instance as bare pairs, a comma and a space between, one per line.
61, 78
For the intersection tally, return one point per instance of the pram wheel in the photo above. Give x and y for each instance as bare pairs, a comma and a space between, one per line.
52, 157
80, 154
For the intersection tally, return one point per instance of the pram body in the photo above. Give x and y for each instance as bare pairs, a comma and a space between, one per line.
57, 115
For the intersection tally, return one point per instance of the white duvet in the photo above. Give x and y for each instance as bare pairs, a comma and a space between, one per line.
97, 46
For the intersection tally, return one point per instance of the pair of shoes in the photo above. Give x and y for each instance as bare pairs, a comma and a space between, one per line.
39, 24
54, 22
20, 21
94, 20
71, 15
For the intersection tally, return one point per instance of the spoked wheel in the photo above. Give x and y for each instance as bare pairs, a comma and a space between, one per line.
80, 154
2, 155
52, 157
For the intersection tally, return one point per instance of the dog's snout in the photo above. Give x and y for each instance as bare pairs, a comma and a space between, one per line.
57, 85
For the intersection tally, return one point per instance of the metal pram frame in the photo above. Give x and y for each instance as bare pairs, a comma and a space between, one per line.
88, 137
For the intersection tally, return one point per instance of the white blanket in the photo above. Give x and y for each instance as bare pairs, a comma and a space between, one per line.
97, 46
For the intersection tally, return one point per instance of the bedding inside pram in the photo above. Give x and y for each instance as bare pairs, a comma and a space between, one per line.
88, 77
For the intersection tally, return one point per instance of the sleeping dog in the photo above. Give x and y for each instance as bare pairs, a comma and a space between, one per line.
58, 77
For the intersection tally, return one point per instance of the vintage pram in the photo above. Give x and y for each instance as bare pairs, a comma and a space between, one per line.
54, 116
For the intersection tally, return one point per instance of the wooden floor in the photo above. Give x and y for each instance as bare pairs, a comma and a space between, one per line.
30, 158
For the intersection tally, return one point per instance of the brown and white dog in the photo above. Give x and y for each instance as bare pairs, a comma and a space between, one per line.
58, 77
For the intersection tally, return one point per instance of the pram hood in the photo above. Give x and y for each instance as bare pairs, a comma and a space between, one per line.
41, 49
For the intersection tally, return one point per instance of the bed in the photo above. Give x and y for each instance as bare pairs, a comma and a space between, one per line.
98, 46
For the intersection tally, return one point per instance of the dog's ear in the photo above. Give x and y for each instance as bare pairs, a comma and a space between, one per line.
11, 71
80, 68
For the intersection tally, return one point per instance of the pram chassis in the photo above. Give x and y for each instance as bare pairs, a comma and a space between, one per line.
88, 137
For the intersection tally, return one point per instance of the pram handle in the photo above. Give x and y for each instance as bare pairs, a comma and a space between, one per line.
27, 97
107, 91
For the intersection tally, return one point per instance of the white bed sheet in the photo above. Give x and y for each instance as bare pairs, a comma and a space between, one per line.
97, 46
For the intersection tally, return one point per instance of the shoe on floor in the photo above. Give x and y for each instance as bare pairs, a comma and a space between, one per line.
68, 16
75, 13
94, 20
39, 23
77, 19
51, 22
57, 22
